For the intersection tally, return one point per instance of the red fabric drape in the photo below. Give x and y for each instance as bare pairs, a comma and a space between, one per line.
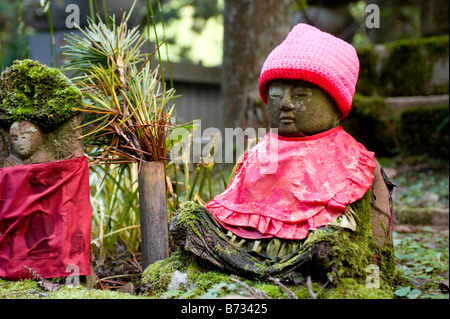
45, 219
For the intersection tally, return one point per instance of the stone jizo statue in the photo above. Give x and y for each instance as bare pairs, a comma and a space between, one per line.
45, 212
27, 144
37, 115
327, 209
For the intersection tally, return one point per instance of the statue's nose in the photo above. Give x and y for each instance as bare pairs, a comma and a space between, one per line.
287, 104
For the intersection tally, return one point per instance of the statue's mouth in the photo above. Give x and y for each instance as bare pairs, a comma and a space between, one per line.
286, 120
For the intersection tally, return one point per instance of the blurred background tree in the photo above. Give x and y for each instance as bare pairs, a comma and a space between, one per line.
194, 30
252, 30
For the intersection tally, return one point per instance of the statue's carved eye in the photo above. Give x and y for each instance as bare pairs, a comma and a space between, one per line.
276, 92
301, 92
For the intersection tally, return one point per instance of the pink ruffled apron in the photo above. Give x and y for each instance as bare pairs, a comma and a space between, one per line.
314, 179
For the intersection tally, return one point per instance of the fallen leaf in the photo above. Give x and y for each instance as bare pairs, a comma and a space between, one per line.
47, 285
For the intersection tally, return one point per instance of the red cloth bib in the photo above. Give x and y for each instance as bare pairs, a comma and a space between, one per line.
314, 179
45, 219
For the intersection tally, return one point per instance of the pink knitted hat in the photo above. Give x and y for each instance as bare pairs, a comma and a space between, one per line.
320, 58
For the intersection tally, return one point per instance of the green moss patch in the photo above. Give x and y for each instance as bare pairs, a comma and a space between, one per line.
157, 276
406, 70
30, 91
30, 289
409, 68
350, 288
25, 289
356, 252
367, 78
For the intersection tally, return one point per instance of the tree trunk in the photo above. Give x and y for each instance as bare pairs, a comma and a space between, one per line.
153, 212
253, 28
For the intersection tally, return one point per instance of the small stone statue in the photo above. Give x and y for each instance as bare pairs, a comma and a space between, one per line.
27, 142
45, 213
37, 115
327, 208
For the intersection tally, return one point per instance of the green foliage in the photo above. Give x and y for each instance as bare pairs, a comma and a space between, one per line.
202, 283
208, 178
298, 5
406, 69
30, 91
100, 44
122, 98
423, 257
207, 280
129, 106
157, 277
407, 292
203, 10
115, 215
421, 189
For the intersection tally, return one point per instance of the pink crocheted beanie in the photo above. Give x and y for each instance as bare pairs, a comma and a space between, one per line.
314, 56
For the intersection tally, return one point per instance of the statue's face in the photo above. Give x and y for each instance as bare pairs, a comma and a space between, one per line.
25, 138
300, 107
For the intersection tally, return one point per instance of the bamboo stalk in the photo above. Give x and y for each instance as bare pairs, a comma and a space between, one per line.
153, 212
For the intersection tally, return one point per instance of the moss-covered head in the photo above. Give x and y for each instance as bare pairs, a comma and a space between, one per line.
30, 91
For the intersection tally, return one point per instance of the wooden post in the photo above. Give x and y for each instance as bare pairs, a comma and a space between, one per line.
153, 212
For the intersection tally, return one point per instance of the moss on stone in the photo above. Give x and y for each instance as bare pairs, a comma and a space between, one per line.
350, 288
30, 91
405, 69
353, 252
409, 66
79, 292
30, 289
367, 78
204, 280
157, 276
23, 289
274, 292
301, 291
187, 216
200, 280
